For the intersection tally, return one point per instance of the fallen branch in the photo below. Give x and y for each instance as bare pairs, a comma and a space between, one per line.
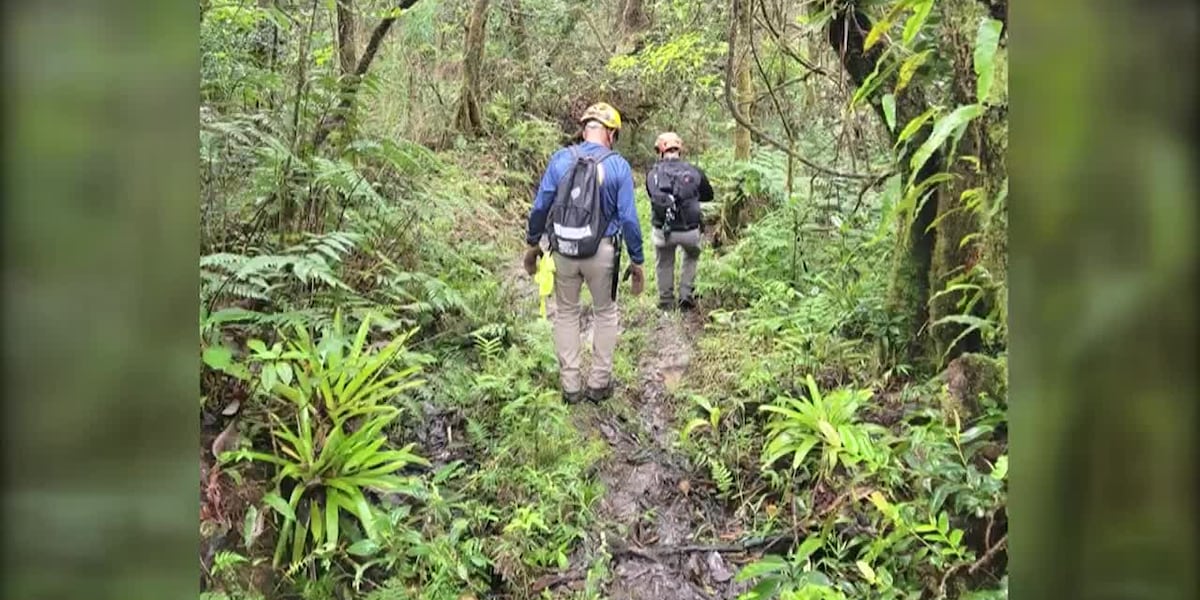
987, 556
654, 554
983, 560
550, 581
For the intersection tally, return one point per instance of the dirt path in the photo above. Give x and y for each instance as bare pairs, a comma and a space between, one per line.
655, 507
654, 511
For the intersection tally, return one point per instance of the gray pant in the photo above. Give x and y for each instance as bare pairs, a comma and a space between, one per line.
664, 267
569, 276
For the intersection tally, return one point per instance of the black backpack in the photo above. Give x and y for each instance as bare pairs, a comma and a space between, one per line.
671, 183
576, 222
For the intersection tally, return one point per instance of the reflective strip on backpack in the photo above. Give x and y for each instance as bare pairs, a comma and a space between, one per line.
572, 233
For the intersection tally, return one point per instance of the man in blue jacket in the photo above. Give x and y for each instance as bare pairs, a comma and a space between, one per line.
601, 124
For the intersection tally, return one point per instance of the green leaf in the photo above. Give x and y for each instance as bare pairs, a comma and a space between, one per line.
218, 357
942, 129
1000, 470
691, 426
874, 80
867, 572
877, 30
943, 523
914, 125
284, 371
257, 345
889, 111
956, 537
277, 502
331, 521
987, 40
909, 68
914, 23
248, 526
269, 376
298, 542
802, 451
763, 566
364, 547
806, 548
317, 523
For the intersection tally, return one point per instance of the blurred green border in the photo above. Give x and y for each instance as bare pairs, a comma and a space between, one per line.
100, 242
1102, 267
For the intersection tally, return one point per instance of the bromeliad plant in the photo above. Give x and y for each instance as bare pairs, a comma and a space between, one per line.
801, 425
330, 449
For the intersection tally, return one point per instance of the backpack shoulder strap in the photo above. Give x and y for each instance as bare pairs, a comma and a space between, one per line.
604, 156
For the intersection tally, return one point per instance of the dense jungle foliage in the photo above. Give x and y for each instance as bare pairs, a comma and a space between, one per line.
380, 408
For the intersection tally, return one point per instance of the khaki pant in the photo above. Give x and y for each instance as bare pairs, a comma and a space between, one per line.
569, 276
664, 267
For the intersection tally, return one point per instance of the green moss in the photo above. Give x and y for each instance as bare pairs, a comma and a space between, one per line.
971, 381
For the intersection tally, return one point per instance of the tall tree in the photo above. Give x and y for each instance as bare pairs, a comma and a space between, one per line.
469, 120
931, 241
745, 87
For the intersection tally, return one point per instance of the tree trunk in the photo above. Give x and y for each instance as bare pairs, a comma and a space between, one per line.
745, 89
952, 257
928, 256
469, 120
908, 295
516, 20
347, 49
633, 18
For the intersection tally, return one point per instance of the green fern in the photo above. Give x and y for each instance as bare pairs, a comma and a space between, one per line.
721, 475
309, 263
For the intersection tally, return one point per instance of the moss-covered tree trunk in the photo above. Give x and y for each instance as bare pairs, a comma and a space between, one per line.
960, 239
908, 294
469, 120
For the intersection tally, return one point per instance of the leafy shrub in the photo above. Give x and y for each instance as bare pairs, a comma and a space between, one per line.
826, 422
332, 453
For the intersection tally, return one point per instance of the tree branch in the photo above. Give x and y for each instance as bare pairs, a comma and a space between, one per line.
787, 128
783, 45
744, 122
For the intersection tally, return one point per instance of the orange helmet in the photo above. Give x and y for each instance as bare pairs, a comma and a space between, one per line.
668, 141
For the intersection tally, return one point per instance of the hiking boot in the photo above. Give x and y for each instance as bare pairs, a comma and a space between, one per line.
598, 395
572, 397
666, 305
687, 304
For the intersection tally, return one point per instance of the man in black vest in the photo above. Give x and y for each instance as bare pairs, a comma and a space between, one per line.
676, 189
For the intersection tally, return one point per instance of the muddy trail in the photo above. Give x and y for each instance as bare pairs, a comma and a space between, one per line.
660, 521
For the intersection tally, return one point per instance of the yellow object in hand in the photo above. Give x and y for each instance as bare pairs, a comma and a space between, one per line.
545, 280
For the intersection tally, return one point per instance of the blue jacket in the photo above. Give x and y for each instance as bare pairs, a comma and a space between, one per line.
616, 196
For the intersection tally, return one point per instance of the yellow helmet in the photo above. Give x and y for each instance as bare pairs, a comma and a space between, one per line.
604, 113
